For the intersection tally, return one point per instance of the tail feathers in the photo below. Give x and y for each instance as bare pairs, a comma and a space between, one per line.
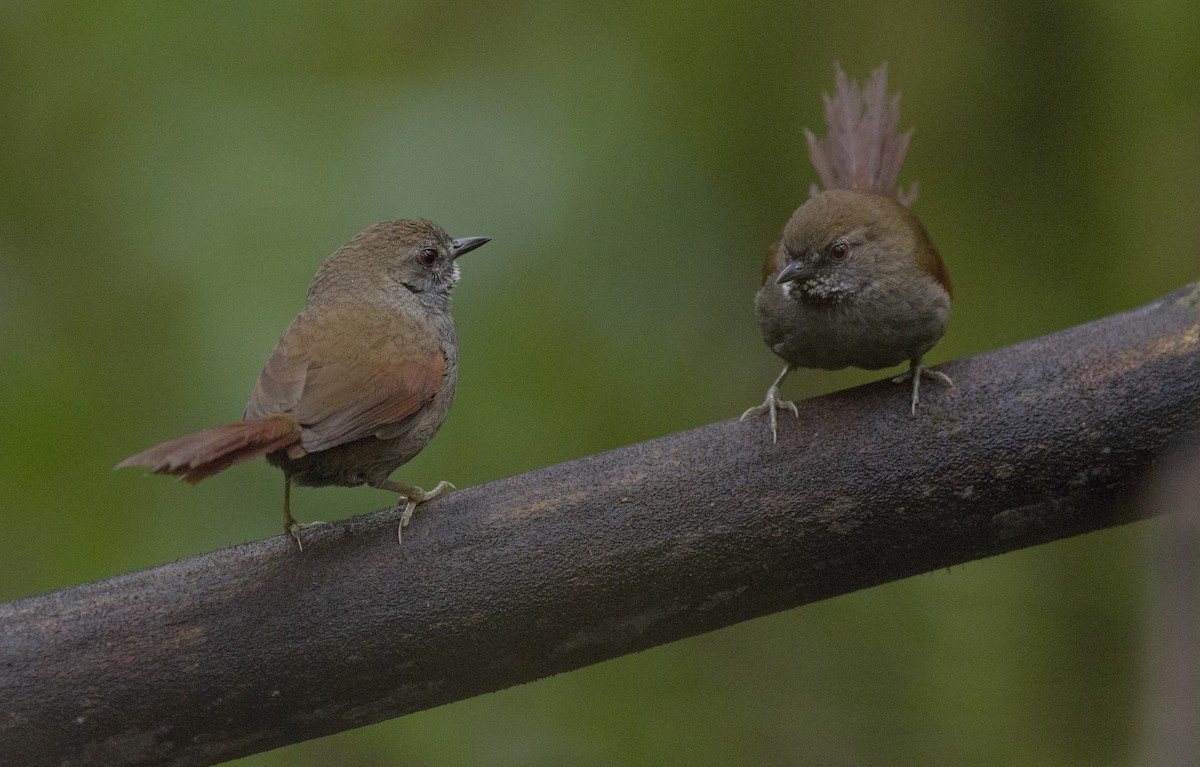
204, 453
864, 149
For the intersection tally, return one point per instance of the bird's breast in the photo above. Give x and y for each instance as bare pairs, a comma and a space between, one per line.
872, 333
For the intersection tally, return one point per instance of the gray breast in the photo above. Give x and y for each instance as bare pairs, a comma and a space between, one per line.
872, 332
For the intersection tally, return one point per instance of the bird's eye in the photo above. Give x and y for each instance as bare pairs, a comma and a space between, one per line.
839, 251
429, 256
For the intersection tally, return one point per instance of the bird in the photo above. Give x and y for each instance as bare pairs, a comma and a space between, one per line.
359, 382
855, 279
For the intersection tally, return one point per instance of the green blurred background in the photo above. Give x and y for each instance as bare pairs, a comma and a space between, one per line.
171, 175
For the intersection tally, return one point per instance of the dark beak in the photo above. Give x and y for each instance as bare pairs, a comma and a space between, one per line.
795, 270
466, 245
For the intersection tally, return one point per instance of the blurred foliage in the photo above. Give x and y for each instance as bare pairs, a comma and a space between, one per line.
172, 174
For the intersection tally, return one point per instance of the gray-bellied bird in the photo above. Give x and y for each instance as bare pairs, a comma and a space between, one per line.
855, 279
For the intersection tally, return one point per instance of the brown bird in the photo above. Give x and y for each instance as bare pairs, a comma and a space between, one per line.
855, 279
360, 381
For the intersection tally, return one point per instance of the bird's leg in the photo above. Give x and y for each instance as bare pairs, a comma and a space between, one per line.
773, 403
290, 525
916, 369
412, 497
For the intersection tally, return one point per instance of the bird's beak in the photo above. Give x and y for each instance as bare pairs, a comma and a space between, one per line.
795, 270
466, 245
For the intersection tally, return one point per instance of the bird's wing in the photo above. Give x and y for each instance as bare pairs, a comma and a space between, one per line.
930, 261
345, 380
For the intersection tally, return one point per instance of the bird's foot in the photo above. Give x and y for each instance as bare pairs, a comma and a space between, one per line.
292, 527
412, 497
915, 373
772, 405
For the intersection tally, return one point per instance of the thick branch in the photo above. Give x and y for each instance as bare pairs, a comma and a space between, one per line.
254, 647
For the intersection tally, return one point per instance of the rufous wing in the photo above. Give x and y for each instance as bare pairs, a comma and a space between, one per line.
930, 261
932, 264
368, 379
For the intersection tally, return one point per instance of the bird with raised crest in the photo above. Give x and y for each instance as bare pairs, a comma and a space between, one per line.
855, 280
361, 379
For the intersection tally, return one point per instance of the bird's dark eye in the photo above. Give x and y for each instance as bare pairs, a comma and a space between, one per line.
839, 251
429, 256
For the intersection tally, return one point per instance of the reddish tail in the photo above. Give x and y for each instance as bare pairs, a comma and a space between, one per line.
864, 148
204, 453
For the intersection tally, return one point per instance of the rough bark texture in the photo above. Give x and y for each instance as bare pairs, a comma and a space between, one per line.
257, 646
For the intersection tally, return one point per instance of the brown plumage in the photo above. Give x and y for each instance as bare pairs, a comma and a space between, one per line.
361, 379
855, 280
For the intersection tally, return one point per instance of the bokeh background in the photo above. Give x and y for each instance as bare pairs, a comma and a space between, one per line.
172, 174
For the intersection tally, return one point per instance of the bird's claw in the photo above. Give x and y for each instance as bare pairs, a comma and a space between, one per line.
772, 405
414, 498
293, 529
915, 373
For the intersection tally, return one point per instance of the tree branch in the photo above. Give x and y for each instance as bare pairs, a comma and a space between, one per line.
254, 647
